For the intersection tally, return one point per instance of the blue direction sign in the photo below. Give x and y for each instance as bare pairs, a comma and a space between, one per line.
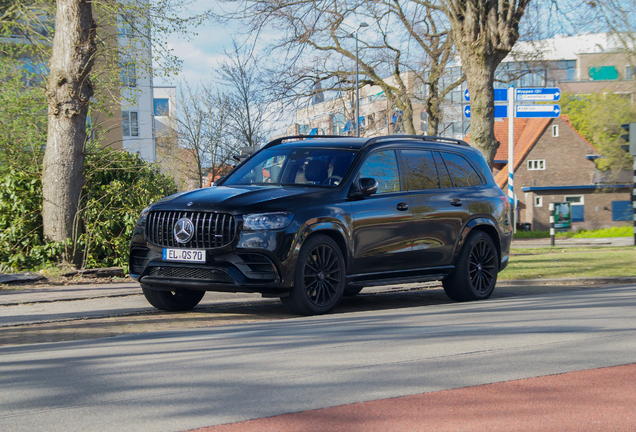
501, 95
501, 111
537, 111
549, 94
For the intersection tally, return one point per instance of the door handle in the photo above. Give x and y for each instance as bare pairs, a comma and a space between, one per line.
402, 206
456, 202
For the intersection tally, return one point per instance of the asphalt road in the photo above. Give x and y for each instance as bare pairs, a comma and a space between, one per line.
177, 380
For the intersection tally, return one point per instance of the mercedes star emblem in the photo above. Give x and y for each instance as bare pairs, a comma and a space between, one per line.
183, 230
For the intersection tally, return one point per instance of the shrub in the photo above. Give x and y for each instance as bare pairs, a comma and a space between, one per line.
118, 186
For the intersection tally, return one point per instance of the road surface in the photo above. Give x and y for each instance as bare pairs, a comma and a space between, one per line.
185, 379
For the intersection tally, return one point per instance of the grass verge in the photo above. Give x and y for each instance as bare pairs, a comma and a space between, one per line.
570, 262
622, 231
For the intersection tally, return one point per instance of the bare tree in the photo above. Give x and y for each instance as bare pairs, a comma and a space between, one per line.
317, 47
204, 141
484, 32
249, 113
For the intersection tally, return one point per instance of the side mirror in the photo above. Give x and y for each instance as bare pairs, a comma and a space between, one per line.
363, 187
368, 186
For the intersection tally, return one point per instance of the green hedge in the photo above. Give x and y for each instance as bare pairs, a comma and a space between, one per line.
118, 186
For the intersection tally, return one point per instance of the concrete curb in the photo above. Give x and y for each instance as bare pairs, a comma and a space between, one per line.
33, 295
568, 281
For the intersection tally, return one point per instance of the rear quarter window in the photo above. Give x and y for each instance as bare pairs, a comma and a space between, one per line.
460, 170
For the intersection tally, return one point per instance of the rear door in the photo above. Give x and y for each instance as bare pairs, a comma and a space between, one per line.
440, 209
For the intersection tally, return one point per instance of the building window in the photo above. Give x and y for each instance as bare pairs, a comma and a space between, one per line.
629, 72
578, 209
125, 25
538, 201
555, 130
162, 107
622, 211
129, 123
574, 199
536, 164
127, 73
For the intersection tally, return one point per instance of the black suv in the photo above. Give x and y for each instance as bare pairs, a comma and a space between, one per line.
310, 219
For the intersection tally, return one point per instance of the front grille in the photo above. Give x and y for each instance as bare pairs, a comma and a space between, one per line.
211, 230
210, 275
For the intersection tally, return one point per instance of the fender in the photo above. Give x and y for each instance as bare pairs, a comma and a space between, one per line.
470, 225
332, 225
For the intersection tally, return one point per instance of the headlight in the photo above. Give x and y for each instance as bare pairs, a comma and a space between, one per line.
143, 216
267, 221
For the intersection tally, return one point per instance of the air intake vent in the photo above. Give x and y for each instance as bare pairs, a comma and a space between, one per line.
209, 275
211, 230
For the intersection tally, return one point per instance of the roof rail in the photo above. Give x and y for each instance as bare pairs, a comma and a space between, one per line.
280, 140
417, 137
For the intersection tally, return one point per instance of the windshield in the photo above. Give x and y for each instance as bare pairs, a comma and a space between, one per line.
294, 166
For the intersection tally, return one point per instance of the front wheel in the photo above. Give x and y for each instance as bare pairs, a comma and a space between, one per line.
320, 278
173, 301
475, 273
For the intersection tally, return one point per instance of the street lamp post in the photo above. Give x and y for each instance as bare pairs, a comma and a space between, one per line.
357, 86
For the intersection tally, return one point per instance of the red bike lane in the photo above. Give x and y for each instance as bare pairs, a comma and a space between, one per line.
595, 400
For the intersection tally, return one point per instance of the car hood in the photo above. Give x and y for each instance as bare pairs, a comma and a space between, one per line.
242, 199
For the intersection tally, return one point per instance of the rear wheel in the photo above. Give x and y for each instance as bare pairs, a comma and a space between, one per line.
320, 278
475, 273
173, 301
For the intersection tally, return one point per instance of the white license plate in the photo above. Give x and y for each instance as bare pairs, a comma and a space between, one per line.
184, 255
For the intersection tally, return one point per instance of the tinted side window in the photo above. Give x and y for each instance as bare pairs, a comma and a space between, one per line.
382, 166
461, 172
444, 177
420, 170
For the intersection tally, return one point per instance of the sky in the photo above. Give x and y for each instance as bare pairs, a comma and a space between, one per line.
202, 50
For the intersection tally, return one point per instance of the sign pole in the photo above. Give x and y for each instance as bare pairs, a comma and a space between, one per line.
511, 154
551, 207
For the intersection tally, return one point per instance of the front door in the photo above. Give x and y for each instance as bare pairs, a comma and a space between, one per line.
381, 222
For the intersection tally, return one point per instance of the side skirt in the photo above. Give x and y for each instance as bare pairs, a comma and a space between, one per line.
392, 278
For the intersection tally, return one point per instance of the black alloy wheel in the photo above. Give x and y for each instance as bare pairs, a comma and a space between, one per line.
320, 278
482, 264
321, 275
475, 274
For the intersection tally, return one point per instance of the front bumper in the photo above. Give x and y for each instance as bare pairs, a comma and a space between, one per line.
252, 262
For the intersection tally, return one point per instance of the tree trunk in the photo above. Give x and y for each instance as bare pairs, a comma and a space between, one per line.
484, 32
433, 110
68, 92
407, 118
482, 107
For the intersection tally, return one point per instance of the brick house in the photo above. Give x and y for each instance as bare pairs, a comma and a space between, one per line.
554, 163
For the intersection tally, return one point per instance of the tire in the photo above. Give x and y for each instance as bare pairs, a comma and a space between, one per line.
475, 274
319, 280
173, 301
351, 291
